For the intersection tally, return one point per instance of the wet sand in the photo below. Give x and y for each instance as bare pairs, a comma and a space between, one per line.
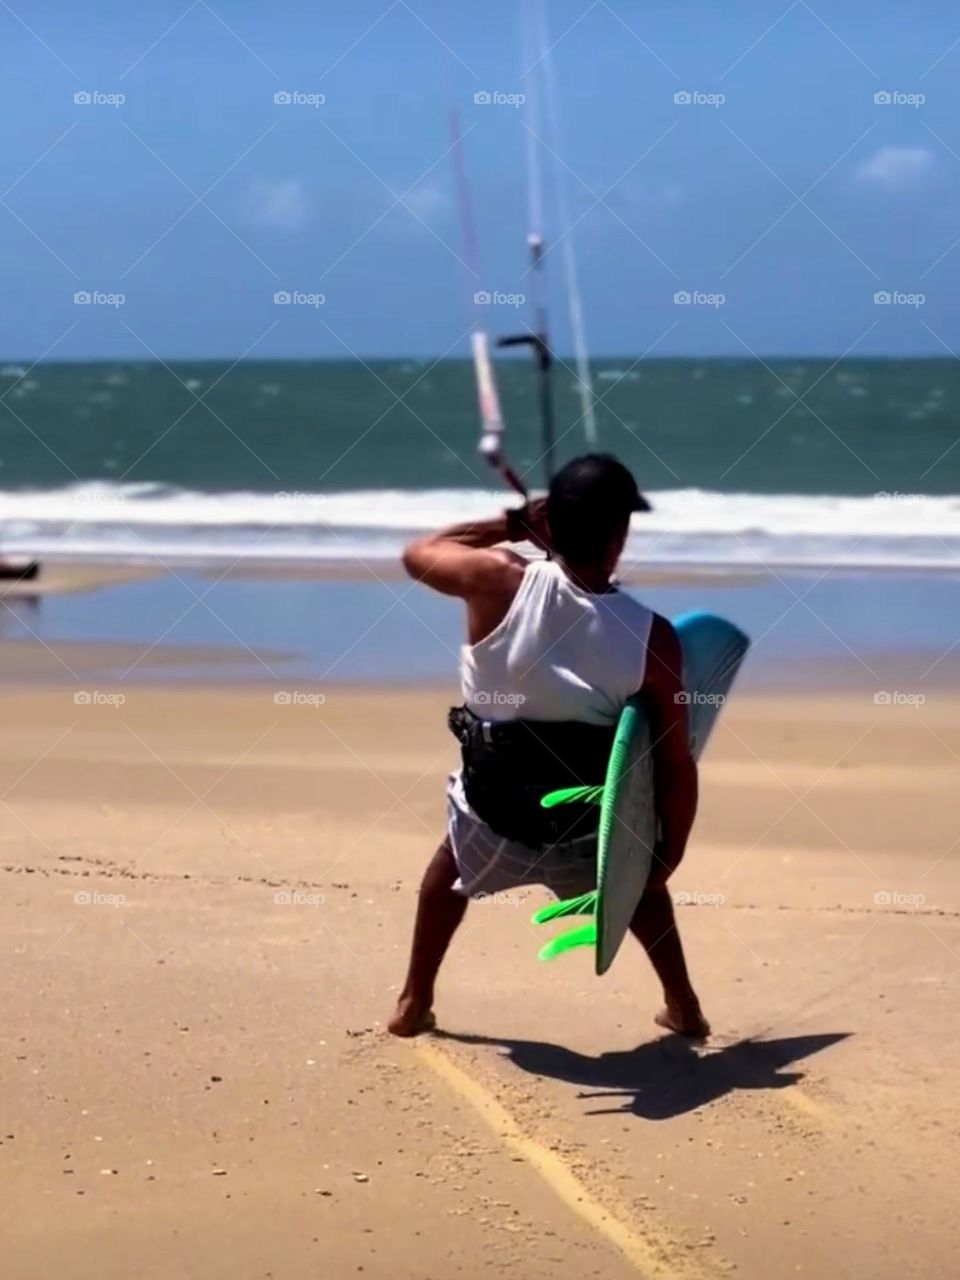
280, 624
66, 577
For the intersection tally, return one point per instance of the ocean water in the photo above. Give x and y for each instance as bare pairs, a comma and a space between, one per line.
809, 463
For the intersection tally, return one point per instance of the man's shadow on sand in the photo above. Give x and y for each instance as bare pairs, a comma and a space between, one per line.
665, 1077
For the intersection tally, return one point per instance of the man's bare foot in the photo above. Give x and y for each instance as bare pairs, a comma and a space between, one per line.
411, 1018
684, 1019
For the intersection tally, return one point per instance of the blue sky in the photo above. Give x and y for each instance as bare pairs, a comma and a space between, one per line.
797, 198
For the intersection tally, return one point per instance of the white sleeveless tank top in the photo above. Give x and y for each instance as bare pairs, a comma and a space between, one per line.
561, 653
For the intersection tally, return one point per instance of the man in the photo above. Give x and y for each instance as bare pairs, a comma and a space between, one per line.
554, 649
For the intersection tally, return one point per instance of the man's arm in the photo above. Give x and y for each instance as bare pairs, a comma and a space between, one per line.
463, 559
467, 560
674, 769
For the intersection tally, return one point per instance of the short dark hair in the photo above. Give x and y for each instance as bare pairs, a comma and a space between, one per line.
589, 505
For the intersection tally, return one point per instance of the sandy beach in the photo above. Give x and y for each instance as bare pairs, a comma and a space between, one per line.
357, 361
207, 904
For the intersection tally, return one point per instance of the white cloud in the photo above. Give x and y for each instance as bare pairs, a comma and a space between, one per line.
427, 200
670, 197
282, 204
896, 167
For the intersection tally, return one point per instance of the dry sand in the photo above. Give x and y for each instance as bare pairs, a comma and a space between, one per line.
194, 1080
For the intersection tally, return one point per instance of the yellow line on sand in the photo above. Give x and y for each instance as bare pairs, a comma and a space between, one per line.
645, 1255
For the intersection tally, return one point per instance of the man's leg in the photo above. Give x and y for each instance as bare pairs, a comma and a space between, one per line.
654, 925
439, 912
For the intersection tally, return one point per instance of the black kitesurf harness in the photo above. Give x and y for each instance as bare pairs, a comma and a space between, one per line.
509, 765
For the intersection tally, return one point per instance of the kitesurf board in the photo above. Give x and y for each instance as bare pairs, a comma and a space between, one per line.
627, 833
713, 650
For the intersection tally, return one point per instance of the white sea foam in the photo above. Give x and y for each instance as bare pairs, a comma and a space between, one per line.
687, 526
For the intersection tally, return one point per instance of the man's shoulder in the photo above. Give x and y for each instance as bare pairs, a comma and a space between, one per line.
630, 606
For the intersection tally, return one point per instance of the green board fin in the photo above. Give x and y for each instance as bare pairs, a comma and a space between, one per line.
584, 936
585, 905
568, 795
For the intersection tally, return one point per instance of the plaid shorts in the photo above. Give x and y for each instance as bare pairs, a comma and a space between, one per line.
488, 863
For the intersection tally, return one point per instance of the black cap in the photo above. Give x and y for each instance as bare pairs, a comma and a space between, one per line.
598, 480
589, 505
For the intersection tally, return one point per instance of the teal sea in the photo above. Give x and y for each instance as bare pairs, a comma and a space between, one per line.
788, 462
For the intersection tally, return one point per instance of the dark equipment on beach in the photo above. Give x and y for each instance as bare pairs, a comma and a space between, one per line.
19, 571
